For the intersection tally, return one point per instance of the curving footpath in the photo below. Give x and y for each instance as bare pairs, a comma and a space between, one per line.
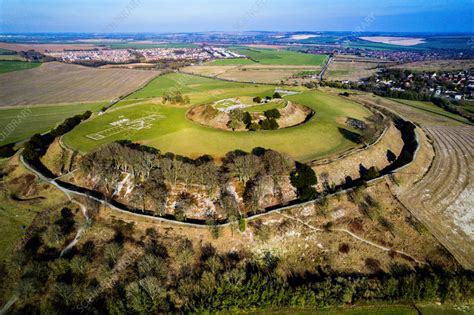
355, 236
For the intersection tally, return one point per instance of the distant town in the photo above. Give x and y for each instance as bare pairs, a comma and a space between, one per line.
149, 55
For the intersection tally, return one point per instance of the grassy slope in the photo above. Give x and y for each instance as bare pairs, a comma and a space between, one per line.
14, 217
176, 134
40, 119
432, 108
14, 65
283, 57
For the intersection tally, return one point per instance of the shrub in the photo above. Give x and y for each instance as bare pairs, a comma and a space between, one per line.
272, 113
247, 118
257, 99
254, 127
344, 248
303, 176
371, 173
373, 264
242, 225
276, 95
269, 124
7, 151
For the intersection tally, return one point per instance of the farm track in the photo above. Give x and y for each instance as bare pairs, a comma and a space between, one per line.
435, 200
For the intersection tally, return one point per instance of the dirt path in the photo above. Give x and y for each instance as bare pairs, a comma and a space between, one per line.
443, 200
79, 231
387, 249
9, 304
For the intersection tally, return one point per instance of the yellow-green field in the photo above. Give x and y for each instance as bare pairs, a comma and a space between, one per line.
166, 128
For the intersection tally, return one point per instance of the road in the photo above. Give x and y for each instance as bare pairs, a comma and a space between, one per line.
325, 68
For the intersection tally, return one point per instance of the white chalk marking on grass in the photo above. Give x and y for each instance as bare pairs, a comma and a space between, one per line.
123, 125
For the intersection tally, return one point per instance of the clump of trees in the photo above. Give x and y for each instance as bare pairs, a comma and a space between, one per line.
272, 113
238, 118
175, 97
259, 99
269, 124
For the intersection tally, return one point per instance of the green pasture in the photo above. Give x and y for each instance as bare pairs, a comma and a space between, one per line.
283, 57
37, 119
15, 65
199, 89
172, 132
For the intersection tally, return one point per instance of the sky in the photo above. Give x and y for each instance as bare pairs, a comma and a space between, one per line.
159, 16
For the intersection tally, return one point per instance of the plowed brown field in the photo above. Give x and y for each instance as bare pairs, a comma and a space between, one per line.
55, 82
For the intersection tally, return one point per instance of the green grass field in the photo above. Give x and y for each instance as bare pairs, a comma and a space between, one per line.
200, 90
7, 52
14, 65
172, 132
38, 119
432, 108
282, 57
229, 62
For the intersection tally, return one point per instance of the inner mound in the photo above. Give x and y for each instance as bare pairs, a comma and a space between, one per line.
250, 114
